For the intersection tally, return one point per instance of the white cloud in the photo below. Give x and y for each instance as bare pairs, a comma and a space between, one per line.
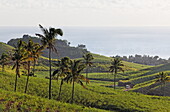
86, 12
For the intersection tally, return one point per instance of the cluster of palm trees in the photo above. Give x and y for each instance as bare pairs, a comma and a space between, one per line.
69, 71
26, 55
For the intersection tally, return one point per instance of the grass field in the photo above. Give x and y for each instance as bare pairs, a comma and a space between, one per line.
97, 94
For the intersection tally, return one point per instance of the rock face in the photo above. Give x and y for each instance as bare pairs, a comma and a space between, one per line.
63, 47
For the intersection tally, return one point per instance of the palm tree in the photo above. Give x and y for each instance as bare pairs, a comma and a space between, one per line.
62, 72
37, 51
3, 60
162, 78
29, 47
76, 67
48, 39
116, 65
88, 58
18, 57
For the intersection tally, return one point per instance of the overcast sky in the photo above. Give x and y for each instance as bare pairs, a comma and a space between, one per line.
85, 12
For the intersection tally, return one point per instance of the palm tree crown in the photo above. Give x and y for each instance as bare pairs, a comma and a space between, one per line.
88, 58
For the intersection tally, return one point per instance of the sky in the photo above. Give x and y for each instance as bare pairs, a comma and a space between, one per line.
85, 12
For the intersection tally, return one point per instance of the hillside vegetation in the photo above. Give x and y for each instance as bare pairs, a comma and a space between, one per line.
96, 94
63, 48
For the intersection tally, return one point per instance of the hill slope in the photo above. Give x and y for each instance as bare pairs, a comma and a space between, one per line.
18, 102
4, 48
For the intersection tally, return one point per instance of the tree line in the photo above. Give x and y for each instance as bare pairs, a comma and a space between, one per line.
144, 59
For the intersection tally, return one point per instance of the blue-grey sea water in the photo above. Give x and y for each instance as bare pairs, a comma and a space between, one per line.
109, 41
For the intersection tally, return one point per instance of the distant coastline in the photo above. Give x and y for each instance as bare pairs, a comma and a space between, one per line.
108, 41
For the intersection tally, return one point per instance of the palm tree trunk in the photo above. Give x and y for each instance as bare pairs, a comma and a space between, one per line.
60, 89
164, 89
26, 86
72, 96
33, 71
114, 80
16, 78
3, 67
50, 73
86, 74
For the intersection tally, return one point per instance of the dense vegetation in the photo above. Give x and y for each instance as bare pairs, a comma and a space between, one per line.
99, 96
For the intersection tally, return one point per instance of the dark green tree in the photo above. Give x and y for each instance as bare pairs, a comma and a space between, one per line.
116, 65
88, 58
47, 40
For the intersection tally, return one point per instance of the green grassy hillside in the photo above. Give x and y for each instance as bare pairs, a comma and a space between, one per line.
4, 48
96, 95
18, 102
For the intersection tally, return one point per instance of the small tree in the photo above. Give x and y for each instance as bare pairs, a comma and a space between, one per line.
116, 65
62, 72
88, 58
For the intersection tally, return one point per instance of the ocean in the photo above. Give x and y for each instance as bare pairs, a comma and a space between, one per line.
108, 41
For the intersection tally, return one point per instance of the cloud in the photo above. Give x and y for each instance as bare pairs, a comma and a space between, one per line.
97, 4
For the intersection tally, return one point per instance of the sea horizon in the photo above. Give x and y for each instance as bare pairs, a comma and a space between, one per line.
108, 41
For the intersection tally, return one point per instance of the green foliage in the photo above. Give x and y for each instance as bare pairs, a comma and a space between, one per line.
99, 95
17, 102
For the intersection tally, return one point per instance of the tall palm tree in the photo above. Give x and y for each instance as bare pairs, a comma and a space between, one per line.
88, 58
116, 65
162, 78
18, 57
62, 72
3, 60
29, 47
76, 67
48, 39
